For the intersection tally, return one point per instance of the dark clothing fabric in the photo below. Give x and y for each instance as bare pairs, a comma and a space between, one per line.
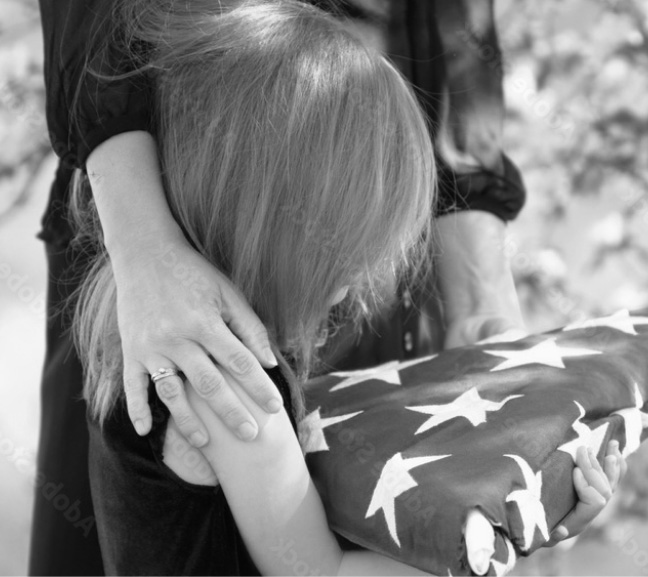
152, 522
63, 542
63, 547
420, 37
83, 112
457, 190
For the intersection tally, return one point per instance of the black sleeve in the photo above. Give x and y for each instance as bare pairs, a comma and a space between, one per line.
456, 70
498, 191
82, 111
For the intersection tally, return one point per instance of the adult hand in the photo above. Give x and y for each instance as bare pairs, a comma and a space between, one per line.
483, 329
594, 486
177, 310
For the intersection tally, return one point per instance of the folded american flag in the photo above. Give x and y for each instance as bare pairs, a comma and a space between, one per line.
401, 453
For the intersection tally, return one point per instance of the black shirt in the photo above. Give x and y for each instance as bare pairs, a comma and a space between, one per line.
152, 522
421, 39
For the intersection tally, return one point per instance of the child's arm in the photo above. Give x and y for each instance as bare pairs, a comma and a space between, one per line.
275, 503
281, 517
104, 130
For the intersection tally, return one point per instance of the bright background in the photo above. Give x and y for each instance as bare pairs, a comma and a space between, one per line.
577, 125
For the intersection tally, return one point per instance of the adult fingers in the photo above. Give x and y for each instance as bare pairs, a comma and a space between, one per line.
233, 356
136, 380
210, 384
171, 392
245, 324
506, 336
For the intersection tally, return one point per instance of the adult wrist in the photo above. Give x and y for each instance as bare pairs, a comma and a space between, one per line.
141, 247
474, 274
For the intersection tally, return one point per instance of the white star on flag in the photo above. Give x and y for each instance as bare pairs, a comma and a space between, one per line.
311, 430
544, 353
394, 481
635, 422
504, 568
639, 320
387, 372
592, 439
621, 320
469, 405
531, 509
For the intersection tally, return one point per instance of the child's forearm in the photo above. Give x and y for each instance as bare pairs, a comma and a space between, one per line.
275, 504
124, 173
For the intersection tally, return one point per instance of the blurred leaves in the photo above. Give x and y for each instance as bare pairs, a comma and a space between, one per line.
23, 130
577, 124
577, 91
576, 84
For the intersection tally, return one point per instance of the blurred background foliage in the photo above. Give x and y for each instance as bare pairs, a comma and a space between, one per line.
576, 80
576, 86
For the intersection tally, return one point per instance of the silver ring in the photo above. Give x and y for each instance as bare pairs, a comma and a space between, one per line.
163, 374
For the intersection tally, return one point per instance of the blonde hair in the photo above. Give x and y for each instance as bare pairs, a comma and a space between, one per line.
295, 159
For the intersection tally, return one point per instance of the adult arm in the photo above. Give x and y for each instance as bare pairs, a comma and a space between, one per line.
475, 278
104, 125
484, 189
174, 308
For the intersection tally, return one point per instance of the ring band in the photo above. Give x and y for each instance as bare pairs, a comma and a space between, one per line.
163, 374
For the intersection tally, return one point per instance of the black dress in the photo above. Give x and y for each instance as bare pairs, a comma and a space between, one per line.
421, 39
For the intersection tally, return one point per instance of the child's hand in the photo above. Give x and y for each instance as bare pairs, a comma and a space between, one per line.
595, 486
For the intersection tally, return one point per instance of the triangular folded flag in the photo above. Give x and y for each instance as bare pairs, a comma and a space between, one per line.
399, 468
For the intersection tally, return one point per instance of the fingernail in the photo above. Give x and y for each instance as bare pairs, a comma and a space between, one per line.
269, 358
247, 431
274, 405
198, 439
140, 427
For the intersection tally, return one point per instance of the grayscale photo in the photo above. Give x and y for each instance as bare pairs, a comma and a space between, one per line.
324, 287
